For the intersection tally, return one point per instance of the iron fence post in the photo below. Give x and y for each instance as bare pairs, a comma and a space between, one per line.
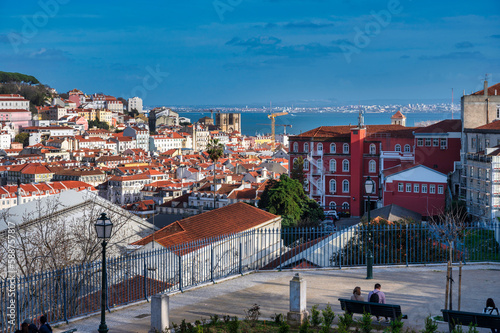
64, 296
145, 280
212, 263
407, 254
180, 271
241, 259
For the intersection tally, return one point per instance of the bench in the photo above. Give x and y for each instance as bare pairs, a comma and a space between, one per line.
376, 309
463, 318
70, 331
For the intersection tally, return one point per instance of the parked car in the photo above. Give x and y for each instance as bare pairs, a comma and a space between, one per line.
331, 214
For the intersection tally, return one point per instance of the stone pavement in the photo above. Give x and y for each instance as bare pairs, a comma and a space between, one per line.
418, 289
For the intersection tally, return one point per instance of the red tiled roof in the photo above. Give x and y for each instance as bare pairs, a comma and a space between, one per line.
398, 115
227, 220
495, 125
345, 130
493, 90
444, 126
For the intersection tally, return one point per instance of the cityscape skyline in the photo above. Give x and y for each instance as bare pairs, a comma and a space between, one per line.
253, 52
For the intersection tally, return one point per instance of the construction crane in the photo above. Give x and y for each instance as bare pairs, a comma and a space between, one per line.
284, 127
273, 116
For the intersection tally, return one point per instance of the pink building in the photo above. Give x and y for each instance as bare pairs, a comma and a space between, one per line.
18, 117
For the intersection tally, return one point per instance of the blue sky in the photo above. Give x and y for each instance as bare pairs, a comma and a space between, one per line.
224, 52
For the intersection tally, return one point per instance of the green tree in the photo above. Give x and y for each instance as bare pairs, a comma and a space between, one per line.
298, 170
287, 198
23, 138
215, 150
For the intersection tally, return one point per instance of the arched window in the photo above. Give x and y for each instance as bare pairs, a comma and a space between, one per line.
306, 147
333, 186
345, 186
373, 149
345, 165
333, 205
333, 148
320, 147
306, 165
397, 147
407, 148
294, 161
333, 165
345, 206
295, 147
346, 148
373, 166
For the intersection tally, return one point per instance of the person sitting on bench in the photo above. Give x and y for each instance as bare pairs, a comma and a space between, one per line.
377, 296
492, 310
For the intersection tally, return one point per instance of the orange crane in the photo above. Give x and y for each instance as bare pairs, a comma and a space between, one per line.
272, 116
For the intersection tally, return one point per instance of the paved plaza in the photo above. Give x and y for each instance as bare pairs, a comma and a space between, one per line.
418, 289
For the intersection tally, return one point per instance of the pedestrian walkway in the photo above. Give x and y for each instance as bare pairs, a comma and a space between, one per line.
419, 291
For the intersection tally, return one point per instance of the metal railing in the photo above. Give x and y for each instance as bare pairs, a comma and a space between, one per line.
75, 291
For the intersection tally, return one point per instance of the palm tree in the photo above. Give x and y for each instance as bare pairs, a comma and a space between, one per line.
215, 150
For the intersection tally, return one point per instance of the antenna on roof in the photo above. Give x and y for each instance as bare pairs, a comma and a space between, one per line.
451, 103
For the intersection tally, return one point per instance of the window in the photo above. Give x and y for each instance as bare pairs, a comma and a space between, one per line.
444, 144
320, 147
345, 165
407, 148
498, 111
306, 165
345, 186
295, 147
435, 142
306, 147
345, 206
372, 166
440, 189
472, 171
408, 187
424, 188
373, 149
333, 205
473, 143
397, 147
432, 189
333, 148
333, 165
416, 188
346, 148
400, 187
486, 143
428, 142
333, 186
420, 142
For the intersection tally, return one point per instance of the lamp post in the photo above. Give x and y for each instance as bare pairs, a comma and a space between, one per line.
103, 227
369, 189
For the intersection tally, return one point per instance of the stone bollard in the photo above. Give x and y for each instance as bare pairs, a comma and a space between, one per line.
298, 302
159, 313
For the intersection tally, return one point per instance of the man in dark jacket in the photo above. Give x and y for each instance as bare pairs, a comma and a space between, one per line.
45, 328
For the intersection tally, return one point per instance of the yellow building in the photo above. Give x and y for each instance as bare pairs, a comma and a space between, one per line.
104, 115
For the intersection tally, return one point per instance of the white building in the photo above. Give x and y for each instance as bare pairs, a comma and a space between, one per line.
135, 103
13, 101
140, 135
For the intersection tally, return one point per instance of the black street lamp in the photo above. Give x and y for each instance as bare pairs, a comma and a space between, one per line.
369, 189
103, 227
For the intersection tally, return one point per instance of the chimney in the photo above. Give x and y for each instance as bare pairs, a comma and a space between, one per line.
485, 88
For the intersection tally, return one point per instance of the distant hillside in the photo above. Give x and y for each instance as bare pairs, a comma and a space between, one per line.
6, 77
25, 85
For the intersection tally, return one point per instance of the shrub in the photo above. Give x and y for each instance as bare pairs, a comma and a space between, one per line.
278, 318
252, 315
396, 325
345, 321
233, 325
315, 320
328, 317
214, 320
284, 327
430, 325
304, 328
366, 323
